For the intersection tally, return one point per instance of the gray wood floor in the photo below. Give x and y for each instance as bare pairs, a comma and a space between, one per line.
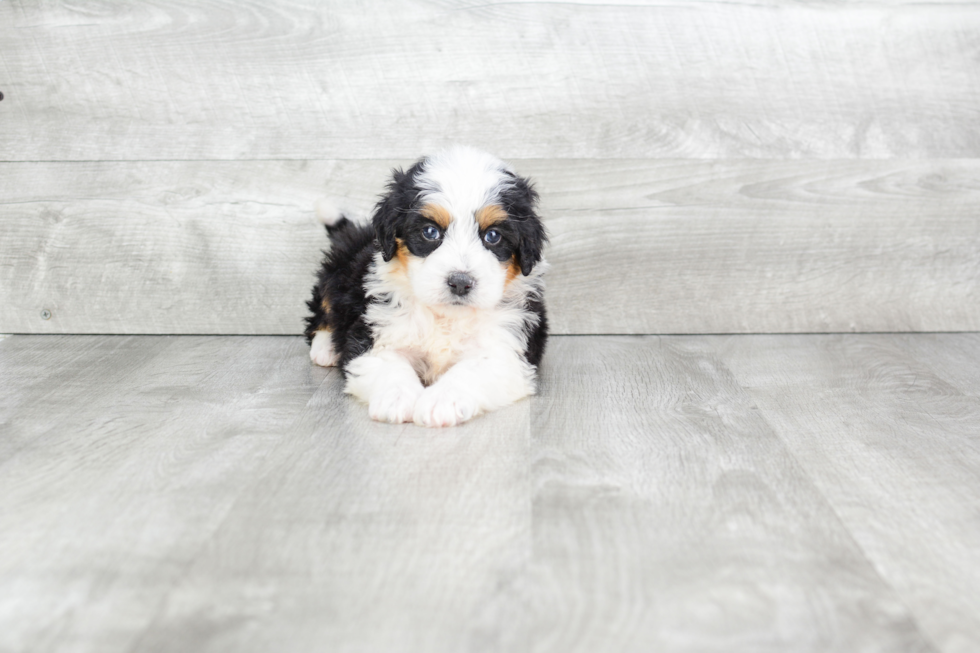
688, 493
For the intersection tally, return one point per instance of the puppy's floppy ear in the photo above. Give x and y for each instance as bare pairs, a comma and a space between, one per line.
390, 212
519, 202
385, 222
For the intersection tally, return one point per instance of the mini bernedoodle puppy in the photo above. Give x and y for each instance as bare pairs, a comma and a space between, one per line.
435, 310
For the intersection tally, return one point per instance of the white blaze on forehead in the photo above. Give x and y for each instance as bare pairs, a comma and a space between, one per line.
462, 245
463, 180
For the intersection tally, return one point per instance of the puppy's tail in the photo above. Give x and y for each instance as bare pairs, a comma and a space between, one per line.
331, 217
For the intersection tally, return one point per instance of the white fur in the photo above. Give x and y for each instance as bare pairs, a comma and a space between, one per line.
328, 212
321, 349
470, 358
387, 382
467, 351
463, 180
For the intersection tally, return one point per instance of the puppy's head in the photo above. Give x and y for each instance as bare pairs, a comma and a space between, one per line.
460, 226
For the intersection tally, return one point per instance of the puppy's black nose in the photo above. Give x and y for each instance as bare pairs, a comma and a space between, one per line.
460, 283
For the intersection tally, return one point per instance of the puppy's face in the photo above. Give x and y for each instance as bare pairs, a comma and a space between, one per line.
460, 226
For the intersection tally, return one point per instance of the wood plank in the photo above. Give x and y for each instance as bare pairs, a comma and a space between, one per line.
894, 447
130, 457
220, 494
26, 370
134, 456
362, 536
161, 247
218, 79
638, 246
669, 516
950, 354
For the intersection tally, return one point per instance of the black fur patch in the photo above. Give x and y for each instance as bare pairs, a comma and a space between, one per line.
524, 229
537, 337
395, 208
341, 282
410, 232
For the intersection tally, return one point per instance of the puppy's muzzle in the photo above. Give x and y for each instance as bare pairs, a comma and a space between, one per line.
460, 283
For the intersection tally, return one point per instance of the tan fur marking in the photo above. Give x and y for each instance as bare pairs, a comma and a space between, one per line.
402, 253
435, 369
490, 215
325, 305
399, 264
438, 214
513, 269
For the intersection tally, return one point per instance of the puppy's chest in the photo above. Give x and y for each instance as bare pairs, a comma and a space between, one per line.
433, 343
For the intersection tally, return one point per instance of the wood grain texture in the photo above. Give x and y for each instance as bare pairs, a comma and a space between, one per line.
669, 516
887, 428
371, 538
220, 494
638, 246
161, 248
124, 457
216, 79
152, 441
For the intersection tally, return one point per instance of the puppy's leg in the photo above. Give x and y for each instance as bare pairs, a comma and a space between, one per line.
387, 382
321, 349
317, 332
473, 386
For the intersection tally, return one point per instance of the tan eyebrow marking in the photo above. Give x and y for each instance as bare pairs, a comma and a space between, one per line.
437, 214
490, 215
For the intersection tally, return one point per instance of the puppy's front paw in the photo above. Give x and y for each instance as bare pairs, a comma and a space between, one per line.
395, 404
321, 349
444, 406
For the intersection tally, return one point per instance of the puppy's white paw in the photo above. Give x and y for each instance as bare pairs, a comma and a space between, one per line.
444, 406
321, 350
395, 403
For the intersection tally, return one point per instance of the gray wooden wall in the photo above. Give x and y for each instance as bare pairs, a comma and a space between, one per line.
704, 166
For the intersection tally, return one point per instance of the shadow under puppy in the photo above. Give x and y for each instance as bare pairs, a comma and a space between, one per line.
435, 311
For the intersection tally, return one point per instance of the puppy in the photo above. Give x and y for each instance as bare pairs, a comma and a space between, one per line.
435, 311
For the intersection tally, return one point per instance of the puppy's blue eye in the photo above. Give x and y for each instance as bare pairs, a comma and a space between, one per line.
492, 237
429, 232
